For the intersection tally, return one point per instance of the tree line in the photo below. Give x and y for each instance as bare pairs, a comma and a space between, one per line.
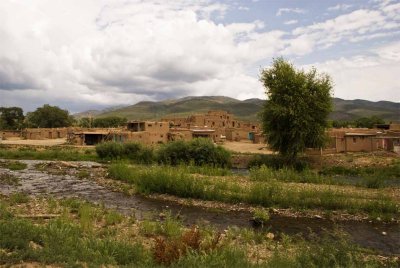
363, 122
47, 116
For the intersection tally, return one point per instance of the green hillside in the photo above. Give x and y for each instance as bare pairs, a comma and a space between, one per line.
245, 110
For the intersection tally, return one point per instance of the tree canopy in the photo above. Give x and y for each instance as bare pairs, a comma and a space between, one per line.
299, 102
369, 122
111, 121
49, 117
11, 118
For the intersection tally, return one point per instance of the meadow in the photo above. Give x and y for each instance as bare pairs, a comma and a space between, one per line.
74, 233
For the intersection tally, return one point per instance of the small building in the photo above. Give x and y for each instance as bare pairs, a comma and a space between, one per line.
359, 142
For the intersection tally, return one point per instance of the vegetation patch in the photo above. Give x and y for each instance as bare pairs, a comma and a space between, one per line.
65, 241
52, 153
267, 193
198, 152
8, 179
13, 165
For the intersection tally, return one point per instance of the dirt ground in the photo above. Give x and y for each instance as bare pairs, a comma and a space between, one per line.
246, 147
48, 142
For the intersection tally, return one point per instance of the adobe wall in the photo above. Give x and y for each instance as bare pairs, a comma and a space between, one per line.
395, 127
360, 144
259, 139
44, 133
145, 137
180, 134
236, 134
157, 127
5, 134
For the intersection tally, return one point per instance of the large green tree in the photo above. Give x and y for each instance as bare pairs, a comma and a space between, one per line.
296, 111
11, 118
48, 117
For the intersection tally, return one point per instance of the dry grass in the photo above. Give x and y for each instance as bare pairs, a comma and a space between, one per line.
246, 147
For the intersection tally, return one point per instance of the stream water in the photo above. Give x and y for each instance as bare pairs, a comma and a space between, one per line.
38, 182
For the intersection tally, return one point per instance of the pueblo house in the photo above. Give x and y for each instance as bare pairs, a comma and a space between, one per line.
215, 125
362, 140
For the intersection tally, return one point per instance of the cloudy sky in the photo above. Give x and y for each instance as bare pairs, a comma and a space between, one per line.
85, 54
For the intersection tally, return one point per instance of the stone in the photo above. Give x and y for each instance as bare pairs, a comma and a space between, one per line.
270, 236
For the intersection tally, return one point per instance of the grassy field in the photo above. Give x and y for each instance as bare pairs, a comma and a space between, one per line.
64, 153
73, 233
264, 187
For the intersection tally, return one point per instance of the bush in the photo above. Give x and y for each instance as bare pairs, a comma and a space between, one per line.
132, 151
174, 153
200, 152
110, 150
146, 156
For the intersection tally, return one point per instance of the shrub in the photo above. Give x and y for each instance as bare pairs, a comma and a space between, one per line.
110, 150
132, 149
174, 153
260, 216
200, 152
146, 156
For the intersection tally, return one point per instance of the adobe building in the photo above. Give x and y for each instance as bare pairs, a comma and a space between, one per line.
145, 132
44, 133
216, 125
360, 140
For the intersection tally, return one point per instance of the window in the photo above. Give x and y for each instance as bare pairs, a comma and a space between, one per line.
354, 140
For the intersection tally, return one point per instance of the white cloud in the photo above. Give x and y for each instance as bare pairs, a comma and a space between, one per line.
243, 8
359, 25
281, 11
341, 7
121, 52
87, 54
290, 22
373, 76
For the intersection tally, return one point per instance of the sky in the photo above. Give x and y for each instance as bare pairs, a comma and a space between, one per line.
93, 54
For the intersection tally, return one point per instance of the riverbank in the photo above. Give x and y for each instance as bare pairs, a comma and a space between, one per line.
89, 181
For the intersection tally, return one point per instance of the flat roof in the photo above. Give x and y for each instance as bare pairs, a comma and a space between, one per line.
202, 130
93, 133
359, 134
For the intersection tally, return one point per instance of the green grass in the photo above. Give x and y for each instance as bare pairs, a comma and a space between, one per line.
66, 242
53, 153
362, 177
13, 165
62, 241
8, 179
266, 174
271, 193
169, 226
19, 198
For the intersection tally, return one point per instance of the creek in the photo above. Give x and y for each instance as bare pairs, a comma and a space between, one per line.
34, 181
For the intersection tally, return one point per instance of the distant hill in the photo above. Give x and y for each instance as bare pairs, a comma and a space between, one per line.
245, 110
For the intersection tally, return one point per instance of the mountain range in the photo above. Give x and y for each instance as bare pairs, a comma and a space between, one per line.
244, 110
